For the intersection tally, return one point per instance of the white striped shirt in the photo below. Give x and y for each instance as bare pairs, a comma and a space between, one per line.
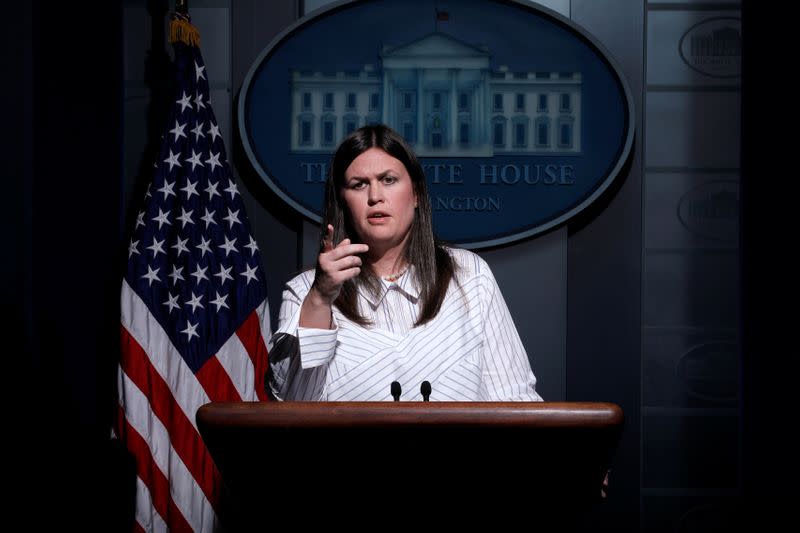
470, 351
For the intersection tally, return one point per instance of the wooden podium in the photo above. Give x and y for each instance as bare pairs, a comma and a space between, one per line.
378, 465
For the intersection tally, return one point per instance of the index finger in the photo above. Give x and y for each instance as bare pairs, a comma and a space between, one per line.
327, 240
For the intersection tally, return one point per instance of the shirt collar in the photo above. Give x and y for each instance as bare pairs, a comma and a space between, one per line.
406, 284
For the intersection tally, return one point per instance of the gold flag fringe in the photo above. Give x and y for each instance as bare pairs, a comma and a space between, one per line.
180, 29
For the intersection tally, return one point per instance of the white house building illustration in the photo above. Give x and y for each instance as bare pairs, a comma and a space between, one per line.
442, 96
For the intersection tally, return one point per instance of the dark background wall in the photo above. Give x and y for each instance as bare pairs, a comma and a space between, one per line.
61, 164
77, 131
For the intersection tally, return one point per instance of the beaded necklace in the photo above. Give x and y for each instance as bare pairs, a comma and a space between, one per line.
396, 275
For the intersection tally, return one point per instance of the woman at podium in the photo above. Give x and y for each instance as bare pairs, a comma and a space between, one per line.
387, 307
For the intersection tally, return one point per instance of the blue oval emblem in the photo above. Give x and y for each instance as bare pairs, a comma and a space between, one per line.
519, 117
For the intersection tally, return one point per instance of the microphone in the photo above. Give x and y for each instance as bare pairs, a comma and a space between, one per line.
396, 391
425, 389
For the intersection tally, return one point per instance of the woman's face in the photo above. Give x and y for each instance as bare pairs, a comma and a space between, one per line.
381, 199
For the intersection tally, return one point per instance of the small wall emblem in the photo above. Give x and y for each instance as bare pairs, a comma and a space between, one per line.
711, 211
714, 47
710, 372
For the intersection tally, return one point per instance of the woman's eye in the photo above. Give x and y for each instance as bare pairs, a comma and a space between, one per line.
389, 179
357, 185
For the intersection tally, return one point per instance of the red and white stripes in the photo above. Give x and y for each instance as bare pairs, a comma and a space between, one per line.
177, 482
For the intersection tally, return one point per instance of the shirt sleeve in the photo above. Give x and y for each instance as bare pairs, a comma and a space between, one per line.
506, 373
298, 356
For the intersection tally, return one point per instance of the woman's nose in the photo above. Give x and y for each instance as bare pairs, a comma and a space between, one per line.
375, 194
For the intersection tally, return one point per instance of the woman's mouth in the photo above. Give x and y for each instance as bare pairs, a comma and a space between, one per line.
377, 218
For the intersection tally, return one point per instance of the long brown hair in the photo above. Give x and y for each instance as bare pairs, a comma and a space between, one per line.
431, 263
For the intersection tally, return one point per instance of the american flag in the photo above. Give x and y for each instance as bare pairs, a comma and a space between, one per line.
194, 313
